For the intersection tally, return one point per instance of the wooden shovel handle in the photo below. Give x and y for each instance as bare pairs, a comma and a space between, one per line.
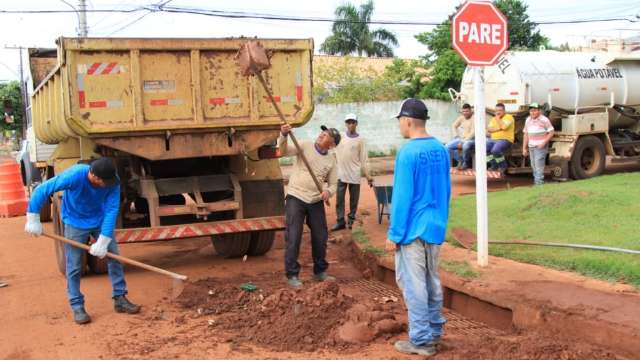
293, 138
119, 258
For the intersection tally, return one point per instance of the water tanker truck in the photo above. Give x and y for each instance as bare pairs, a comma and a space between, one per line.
592, 100
193, 139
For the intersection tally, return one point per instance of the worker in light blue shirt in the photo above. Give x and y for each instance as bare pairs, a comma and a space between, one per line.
90, 206
419, 215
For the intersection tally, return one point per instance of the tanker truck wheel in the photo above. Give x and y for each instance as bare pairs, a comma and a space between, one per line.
231, 245
58, 229
588, 159
261, 242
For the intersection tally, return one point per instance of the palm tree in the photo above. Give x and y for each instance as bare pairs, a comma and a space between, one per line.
351, 33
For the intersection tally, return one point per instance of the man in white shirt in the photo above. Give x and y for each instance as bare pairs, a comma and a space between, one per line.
352, 162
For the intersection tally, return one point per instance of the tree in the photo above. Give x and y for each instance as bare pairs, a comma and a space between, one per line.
11, 104
447, 68
351, 34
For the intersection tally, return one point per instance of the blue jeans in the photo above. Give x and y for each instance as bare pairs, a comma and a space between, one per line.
496, 150
467, 149
417, 277
538, 157
74, 264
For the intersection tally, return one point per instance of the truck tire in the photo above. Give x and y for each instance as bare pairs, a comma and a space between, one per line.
261, 242
231, 245
588, 159
45, 211
58, 247
96, 265
262, 198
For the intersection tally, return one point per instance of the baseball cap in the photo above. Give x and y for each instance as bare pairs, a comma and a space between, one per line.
333, 132
105, 169
414, 108
534, 106
351, 116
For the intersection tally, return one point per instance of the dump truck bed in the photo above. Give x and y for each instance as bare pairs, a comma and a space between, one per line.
118, 88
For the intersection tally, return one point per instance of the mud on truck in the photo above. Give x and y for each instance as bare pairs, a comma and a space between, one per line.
592, 99
193, 139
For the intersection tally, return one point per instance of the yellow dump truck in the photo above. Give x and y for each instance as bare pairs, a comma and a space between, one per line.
194, 140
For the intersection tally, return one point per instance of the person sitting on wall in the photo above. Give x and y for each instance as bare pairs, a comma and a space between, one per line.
466, 140
501, 130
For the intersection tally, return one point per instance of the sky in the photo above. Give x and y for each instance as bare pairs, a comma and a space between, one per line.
41, 30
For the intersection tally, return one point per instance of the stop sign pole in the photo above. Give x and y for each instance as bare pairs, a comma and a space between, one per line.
479, 35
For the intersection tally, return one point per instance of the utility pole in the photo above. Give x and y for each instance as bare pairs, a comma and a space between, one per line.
83, 30
23, 90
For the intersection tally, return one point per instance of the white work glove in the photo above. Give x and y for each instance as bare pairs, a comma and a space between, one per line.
33, 226
99, 248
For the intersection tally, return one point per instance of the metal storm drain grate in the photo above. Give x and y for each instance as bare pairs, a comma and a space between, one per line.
456, 323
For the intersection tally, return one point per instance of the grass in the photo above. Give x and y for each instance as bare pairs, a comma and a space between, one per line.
361, 238
460, 268
599, 211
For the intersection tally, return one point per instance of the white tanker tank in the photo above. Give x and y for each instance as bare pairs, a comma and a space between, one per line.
593, 100
565, 80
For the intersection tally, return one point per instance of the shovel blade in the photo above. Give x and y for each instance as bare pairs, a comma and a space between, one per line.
252, 57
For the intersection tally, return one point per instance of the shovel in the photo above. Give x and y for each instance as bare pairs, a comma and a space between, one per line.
178, 280
253, 58
468, 240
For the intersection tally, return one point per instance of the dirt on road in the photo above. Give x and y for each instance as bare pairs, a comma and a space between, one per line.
353, 318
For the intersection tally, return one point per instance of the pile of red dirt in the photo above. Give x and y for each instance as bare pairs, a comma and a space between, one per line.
319, 316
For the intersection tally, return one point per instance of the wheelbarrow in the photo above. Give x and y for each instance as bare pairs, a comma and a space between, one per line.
383, 197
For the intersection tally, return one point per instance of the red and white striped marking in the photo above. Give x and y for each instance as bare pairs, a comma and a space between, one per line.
106, 68
490, 174
166, 102
224, 100
282, 99
184, 231
101, 68
299, 86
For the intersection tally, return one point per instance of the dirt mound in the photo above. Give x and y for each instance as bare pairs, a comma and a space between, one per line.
318, 316
277, 318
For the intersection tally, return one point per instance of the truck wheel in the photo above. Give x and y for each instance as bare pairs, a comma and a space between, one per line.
45, 211
261, 242
97, 265
231, 245
588, 159
58, 229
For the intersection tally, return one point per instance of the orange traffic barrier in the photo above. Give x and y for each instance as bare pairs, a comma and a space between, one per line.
13, 199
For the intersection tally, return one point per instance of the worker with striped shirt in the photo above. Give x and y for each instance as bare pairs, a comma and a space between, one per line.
538, 131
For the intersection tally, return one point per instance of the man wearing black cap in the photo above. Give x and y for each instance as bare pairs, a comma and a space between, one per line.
305, 203
419, 215
90, 205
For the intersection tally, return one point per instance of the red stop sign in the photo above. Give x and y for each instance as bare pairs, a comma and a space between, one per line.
479, 33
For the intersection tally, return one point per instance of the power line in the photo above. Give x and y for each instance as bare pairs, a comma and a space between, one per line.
150, 9
275, 17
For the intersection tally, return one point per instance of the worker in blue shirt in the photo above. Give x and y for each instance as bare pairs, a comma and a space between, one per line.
90, 205
419, 215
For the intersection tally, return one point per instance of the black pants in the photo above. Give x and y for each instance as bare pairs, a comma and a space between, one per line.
296, 212
354, 197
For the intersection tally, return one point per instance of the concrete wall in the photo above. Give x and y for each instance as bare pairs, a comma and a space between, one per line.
376, 122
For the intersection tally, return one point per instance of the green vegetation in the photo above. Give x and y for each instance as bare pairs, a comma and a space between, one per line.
460, 268
598, 211
339, 82
11, 104
360, 236
351, 33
